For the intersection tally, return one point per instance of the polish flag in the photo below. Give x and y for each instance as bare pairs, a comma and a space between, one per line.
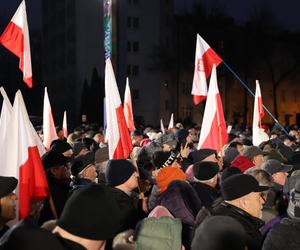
21, 158
171, 122
128, 108
258, 134
5, 116
213, 131
205, 58
162, 127
119, 142
49, 130
16, 39
64, 125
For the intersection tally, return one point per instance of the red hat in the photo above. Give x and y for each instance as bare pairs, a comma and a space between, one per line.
242, 163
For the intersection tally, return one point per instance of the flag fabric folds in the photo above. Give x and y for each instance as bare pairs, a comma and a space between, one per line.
49, 130
205, 58
117, 134
16, 39
258, 134
64, 125
213, 133
128, 113
22, 160
5, 116
171, 122
162, 127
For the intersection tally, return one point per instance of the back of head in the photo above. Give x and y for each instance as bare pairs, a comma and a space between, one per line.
91, 213
219, 233
159, 233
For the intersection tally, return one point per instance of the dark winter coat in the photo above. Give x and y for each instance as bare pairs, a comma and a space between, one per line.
206, 193
284, 235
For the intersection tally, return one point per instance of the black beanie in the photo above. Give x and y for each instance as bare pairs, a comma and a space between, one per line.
53, 159
91, 213
60, 146
160, 159
118, 171
81, 162
205, 170
227, 172
7, 185
201, 154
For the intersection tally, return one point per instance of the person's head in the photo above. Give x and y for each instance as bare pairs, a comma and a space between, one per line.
293, 210
230, 171
219, 233
79, 148
263, 177
193, 135
162, 159
204, 155
84, 167
121, 174
61, 146
90, 217
55, 164
244, 192
162, 232
7, 199
277, 170
238, 146
99, 138
136, 137
206, 172
60, 133
254, 154
167, 175
289, 140
169, 145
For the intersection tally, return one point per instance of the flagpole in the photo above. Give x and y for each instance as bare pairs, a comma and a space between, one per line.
251, 92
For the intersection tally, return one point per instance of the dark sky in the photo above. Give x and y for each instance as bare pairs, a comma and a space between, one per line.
285, 12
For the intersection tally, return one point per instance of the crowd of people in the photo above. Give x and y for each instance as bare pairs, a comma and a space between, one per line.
168, 195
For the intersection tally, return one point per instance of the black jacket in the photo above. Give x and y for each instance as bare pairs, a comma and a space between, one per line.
60, 191
250, 224
284, 235
206, 193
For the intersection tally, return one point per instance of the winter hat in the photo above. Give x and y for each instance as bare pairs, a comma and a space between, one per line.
118, 171
229, 172
158, 233
7, 185
101, 155
205, 170
274, 166
239, 185
60, 146
242, 163
293, 209
53, 159
219, 233
201, 154
162, 159
160, 211
276, 155
229, 155
81, 162
91, 213
251, 151
168, 174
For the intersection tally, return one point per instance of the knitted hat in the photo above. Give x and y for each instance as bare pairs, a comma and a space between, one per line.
7, 185
158, 233
162, 159
205, 170
239, 185
201, 154
53, 159
293, 210
220, 233
168, 174
242, 163
118, 171
251, 151
91, 213
81, 162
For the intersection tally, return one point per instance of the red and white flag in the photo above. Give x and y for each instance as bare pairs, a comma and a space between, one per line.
128, 113
205, 58
16, 39
5, 116
64, 125
117, 134
21, 158
171, 122
258, 134
49, 130
213, 133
